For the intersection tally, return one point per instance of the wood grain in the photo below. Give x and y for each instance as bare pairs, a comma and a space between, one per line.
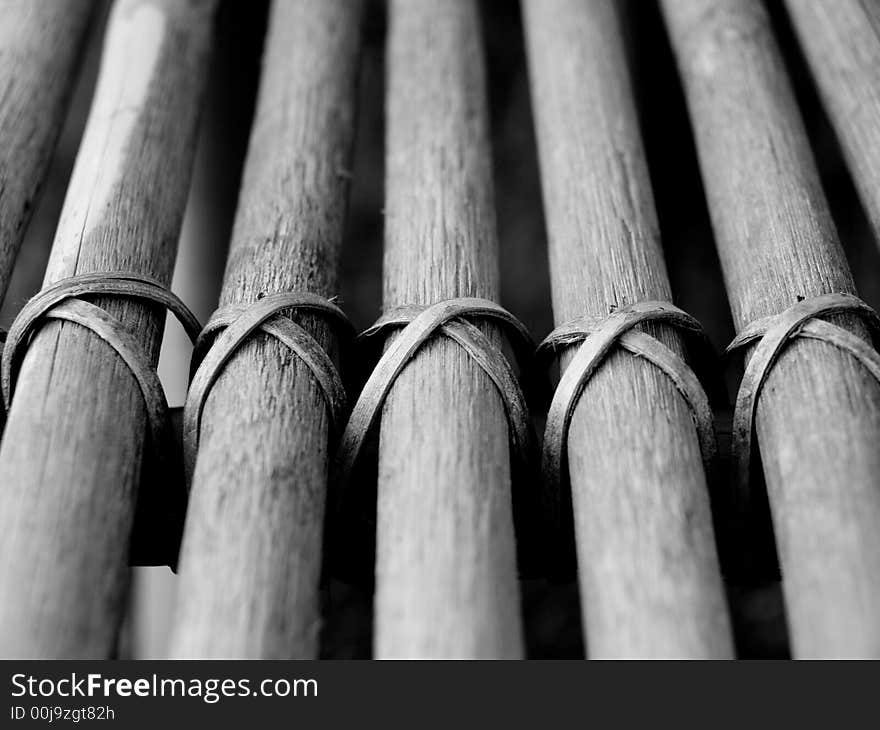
71, 454
649, 578
41, 42
251, 557
842, 44
446, 582
818, 420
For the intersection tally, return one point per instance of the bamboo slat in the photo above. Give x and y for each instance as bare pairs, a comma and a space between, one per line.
649, 578
818, 420
40, 46
841, 41
251, 557
71, 454
446, 582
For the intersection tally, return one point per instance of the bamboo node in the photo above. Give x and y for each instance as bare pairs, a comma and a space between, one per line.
231, 326
773, 334
452, 318
596, 336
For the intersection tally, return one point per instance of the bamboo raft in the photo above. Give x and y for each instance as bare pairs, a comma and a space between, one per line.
430, 488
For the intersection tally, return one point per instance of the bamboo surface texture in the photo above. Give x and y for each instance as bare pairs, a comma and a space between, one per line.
841, 41
649, 578
818, 420
251, 558
446, 581
71, 455
40, 46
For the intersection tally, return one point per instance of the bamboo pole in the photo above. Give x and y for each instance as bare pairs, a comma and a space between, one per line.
649, 577
446, 583
841, 41
251, 557
71, 455
818, 420
40, 47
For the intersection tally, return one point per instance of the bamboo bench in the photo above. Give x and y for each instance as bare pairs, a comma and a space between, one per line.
407, 465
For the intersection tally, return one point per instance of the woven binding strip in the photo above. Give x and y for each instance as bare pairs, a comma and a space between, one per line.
774, 332
597, 337
63, 301
236, 323
452, 319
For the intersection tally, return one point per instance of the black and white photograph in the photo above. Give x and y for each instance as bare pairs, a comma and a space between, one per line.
431, 330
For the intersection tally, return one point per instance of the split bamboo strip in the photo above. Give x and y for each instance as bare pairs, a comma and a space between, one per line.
71, 456
649, 577
841, 41
446, 581
40, 46
818, 419
251, 557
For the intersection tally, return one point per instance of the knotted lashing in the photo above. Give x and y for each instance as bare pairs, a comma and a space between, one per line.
231, 326
772, 335
452, 319
159, 522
